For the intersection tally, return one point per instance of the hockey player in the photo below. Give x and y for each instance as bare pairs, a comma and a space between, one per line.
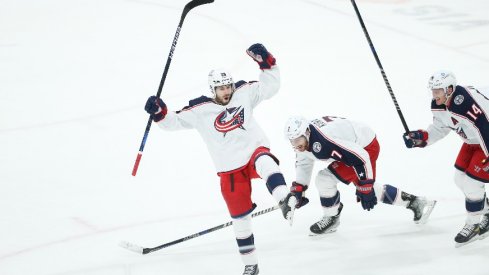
236, 143
465, 111
350, 150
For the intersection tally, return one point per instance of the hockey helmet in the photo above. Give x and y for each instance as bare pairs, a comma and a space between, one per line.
219, 77
295, 127
442, 80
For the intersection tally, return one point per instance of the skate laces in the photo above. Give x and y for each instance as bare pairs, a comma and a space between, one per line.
485, 221
467, 230
324, 222
249, 269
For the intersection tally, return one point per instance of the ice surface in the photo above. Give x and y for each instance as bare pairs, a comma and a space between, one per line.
74, 76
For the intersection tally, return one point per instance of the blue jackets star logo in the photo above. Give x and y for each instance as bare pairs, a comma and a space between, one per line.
230, 119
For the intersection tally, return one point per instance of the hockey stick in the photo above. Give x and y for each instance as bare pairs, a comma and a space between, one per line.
406, 128
190, 5
143, 250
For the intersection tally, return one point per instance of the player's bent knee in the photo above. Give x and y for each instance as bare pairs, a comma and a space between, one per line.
326, 183
266, 166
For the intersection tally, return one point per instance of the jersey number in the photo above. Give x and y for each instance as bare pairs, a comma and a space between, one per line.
336, 155
475, 111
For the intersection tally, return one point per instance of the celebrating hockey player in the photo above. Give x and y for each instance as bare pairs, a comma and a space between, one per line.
237, 144
465, 111
350, 149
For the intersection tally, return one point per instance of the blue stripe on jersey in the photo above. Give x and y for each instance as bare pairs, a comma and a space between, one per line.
329, 202
361, 171
196, 101
240, 83
246, 245
462, 107
274, 181
469, 105
342, 154
390, 194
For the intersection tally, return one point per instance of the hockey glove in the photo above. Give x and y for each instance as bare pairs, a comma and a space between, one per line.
156, 108
260, 54
298, 190
415, 138
365, 194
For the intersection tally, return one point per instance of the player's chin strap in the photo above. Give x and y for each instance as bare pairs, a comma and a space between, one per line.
449, 95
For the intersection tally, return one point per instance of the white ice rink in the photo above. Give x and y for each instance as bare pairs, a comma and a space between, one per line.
74, 77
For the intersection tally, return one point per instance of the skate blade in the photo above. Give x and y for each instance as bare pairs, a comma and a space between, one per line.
428, 209
457, 245
483, 236
322, 235
290, 217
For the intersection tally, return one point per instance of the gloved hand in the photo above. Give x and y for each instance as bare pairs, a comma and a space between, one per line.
156, 108
415, 138
365, 194
260, 54
298, 190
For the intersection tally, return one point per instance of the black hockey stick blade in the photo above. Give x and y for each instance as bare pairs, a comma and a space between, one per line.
192, 4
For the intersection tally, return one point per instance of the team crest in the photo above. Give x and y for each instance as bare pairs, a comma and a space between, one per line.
459, 99
229, 120
316, 147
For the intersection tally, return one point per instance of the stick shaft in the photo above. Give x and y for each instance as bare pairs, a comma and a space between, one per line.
384, 76
203, 232
190, 5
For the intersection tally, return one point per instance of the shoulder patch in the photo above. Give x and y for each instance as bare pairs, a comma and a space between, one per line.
316, 147
459, 99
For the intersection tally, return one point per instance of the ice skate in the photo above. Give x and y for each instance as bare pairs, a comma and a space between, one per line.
327, 224
468, 234
420, 206
287, 206
484, 226
251, 270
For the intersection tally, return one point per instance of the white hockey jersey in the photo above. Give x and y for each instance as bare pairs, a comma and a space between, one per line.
230, 132
336, 139
467, 115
